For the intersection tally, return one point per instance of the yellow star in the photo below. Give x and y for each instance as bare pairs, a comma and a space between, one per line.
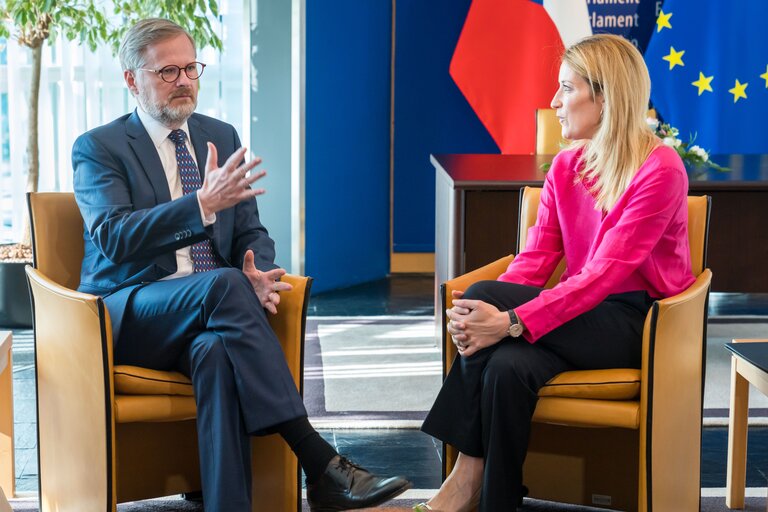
764, 76
739, 91
663, 21
674, 58
703, 83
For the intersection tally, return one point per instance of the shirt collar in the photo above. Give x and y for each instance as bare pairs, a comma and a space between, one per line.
157, 131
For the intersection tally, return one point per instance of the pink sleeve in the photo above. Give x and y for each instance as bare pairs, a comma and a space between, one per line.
649, 205
544, 246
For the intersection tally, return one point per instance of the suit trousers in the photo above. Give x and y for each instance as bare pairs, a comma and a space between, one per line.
486, 403
212, 327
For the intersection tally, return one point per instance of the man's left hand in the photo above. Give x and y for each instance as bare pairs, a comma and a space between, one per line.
266, 285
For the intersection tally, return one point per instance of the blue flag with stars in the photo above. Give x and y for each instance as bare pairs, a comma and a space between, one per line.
709, 72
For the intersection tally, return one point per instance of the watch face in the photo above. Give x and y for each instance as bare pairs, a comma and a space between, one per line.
515, 330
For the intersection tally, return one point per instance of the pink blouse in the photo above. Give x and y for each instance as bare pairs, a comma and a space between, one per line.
640, 244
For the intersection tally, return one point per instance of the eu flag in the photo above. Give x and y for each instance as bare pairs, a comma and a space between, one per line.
709, 72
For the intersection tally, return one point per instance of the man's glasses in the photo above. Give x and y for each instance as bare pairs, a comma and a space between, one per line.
171, 73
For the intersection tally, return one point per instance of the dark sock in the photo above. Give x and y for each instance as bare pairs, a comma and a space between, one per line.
313, 452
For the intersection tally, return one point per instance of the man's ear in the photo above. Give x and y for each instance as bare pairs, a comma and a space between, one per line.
130, 81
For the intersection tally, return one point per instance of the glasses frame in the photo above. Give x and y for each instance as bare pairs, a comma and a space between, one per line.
159, 72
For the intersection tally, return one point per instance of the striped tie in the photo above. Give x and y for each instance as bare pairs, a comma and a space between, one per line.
203, 256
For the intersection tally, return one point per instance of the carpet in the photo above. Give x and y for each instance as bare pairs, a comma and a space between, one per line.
375, 371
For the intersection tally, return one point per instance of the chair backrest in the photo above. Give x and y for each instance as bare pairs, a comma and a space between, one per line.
698, 226
548, 132
57, 236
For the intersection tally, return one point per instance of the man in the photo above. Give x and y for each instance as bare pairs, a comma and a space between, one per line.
186, 270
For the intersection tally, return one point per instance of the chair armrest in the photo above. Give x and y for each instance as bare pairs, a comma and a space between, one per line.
290, 322
490, 271
671, 396
73, 356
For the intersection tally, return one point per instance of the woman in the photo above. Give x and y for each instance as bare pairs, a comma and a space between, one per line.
614, 205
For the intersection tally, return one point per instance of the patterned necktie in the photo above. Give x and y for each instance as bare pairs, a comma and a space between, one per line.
203, 256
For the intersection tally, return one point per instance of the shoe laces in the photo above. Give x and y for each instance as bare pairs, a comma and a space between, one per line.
346, 465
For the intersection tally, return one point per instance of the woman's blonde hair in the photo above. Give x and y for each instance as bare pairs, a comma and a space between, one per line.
615, 70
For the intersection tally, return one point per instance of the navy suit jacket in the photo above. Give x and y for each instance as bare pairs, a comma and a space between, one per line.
132, 228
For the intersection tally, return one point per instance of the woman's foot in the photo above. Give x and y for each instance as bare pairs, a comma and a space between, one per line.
461, 490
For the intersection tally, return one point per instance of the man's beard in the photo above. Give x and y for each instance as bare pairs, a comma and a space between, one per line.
166, 114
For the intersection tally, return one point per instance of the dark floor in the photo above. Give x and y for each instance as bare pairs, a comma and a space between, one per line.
407, 452
399, 294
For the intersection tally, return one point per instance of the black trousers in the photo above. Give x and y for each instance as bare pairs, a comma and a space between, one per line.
485, 406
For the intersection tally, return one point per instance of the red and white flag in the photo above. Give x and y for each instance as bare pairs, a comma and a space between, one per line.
507, 59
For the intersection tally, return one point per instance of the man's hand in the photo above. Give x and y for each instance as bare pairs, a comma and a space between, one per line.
225, 186
475, 324
266, 285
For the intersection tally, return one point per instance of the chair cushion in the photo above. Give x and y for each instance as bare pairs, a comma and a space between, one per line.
133, 380
154, 408
613, 384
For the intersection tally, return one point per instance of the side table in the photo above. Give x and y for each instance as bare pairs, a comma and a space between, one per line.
7, 476
749, 365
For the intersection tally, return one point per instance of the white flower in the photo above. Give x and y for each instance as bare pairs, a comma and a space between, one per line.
700, 152
671, 142
653, 123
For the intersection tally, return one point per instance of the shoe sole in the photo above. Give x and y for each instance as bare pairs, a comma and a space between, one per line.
397, 492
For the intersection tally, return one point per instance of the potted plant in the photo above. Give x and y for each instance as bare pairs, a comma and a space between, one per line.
30, 23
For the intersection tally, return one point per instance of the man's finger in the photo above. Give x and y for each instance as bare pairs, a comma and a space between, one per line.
280, 286
275, 273
253, 178
213, 157
457, 294
248, 260
234, 159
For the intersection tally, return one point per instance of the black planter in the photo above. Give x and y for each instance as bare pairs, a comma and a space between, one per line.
15, 305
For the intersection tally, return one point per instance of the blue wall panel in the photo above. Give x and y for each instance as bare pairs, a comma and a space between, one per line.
348, 48
431, 115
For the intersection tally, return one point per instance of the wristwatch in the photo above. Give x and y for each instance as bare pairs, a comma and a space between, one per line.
515, 327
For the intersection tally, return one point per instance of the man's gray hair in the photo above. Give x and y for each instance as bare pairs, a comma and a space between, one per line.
144, 34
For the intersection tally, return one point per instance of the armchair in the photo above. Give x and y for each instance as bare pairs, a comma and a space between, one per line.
109, 434
620, 438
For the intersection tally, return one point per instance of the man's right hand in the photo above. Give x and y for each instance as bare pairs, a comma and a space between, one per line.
225, 186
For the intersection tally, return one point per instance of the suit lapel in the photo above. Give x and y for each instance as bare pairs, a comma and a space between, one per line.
199, 138
145, 151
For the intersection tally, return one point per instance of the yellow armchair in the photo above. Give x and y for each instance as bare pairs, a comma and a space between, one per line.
109, 434
621, 438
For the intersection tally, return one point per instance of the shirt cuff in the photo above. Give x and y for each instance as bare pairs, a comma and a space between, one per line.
207, 221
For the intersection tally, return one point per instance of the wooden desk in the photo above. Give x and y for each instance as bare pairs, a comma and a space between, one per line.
747, 367
477, 200
7, 476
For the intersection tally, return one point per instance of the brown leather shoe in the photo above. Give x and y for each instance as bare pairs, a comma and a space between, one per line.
345, 485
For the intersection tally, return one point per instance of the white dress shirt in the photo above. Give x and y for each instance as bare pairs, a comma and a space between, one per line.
166, 149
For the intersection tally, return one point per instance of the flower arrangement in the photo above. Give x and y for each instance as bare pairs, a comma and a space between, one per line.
693, 156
